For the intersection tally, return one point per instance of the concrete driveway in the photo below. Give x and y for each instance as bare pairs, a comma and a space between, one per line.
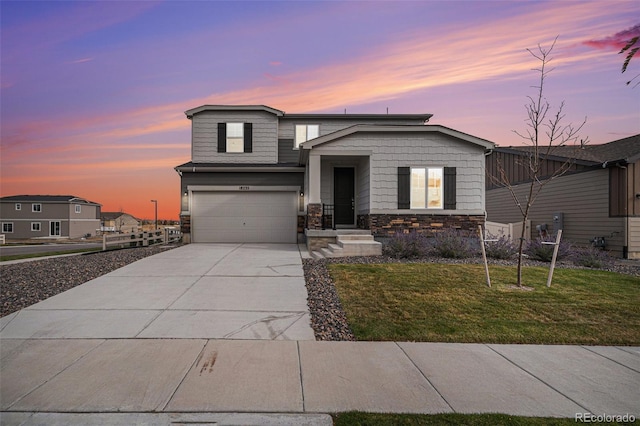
210, 291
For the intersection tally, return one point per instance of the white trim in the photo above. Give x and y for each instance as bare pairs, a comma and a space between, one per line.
39, 226
18, 207
57, 219
242, 188
7, 223
33, 207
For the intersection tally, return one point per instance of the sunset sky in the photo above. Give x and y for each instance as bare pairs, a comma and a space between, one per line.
94, 92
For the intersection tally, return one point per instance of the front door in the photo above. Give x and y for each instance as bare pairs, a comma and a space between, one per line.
344, 195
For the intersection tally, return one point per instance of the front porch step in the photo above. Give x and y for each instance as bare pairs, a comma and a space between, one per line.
317, 255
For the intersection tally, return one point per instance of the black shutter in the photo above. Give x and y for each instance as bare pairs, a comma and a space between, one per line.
404, 187
248, 137
222, 137
450, 188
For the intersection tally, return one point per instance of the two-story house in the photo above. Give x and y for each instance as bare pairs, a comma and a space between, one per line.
260, 175
48, 216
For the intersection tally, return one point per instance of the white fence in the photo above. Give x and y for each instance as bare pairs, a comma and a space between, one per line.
510, 230
2, 239
141, 239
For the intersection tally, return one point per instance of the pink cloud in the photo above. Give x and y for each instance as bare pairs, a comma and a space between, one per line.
616, 41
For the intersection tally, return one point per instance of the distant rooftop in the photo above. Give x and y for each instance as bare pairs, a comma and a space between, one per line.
626, 150
47, 199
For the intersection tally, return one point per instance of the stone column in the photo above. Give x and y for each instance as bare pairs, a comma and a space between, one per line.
314, 216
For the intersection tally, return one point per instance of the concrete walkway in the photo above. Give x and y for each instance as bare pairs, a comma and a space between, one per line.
105, 354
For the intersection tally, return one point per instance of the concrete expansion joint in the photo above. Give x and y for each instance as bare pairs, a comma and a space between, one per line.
538, 378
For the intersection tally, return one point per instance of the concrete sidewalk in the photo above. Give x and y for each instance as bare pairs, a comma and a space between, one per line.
147, 345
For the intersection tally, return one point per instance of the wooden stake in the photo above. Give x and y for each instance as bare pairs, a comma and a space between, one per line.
553, 260
484, 255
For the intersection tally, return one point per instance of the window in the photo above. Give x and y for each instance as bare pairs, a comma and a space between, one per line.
78, 208
235, 137
35, 226
305, 132
36, 208
7, 228
427, 188
18, 206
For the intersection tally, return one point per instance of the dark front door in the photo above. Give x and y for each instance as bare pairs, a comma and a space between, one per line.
344, 195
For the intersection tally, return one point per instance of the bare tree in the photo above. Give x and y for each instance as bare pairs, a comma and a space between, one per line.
545, 135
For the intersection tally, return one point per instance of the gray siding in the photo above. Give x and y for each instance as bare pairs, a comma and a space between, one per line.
239, 179
582, 197
634, 237
73, 225
362, 187
286, 153
286, 128
204, 137
393, 150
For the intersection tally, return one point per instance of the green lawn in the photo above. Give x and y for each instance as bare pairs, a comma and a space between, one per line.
370, 419
451, 303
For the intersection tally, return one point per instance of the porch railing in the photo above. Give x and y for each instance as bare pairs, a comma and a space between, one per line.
328, 214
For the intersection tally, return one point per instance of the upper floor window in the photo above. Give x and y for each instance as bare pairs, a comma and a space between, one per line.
18, 206
36, 208
305, 132
78, 208
235, 137
427, 188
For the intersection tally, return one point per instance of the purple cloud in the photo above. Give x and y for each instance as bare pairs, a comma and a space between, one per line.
616, 41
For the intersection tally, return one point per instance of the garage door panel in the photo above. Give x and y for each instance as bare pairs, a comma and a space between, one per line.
244, 217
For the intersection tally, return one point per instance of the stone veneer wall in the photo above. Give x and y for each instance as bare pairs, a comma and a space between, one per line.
314, 216
386, 225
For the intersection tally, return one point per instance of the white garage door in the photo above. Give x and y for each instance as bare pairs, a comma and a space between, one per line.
244, 217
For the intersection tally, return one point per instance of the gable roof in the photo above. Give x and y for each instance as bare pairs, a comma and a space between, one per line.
626, 150
190, 113
377, 128
47, 199
383, 117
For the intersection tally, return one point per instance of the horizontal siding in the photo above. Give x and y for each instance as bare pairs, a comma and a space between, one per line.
390, 151
286, 153
204, 137
286, 128
582, 197
634, 238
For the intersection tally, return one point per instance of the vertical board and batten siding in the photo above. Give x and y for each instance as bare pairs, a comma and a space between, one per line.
583, 198
393, 150
204, 137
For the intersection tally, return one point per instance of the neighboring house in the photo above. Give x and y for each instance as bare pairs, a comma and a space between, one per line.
260, 175
119, 222
48, 216
597, 201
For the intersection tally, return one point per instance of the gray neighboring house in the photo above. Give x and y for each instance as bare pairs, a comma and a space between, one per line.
597, 200
260, 175
48, 216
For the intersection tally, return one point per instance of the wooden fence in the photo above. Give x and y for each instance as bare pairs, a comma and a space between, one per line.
140, 239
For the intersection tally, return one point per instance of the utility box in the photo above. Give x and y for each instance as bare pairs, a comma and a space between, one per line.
558, 221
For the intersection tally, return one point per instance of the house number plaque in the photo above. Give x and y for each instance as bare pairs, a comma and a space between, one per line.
244, 188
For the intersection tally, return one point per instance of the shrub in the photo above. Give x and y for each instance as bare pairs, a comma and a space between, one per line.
407, 246
591, 257
502, 248
536, 250
453, 243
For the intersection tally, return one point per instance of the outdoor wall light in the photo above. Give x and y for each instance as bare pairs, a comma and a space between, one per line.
301, 194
